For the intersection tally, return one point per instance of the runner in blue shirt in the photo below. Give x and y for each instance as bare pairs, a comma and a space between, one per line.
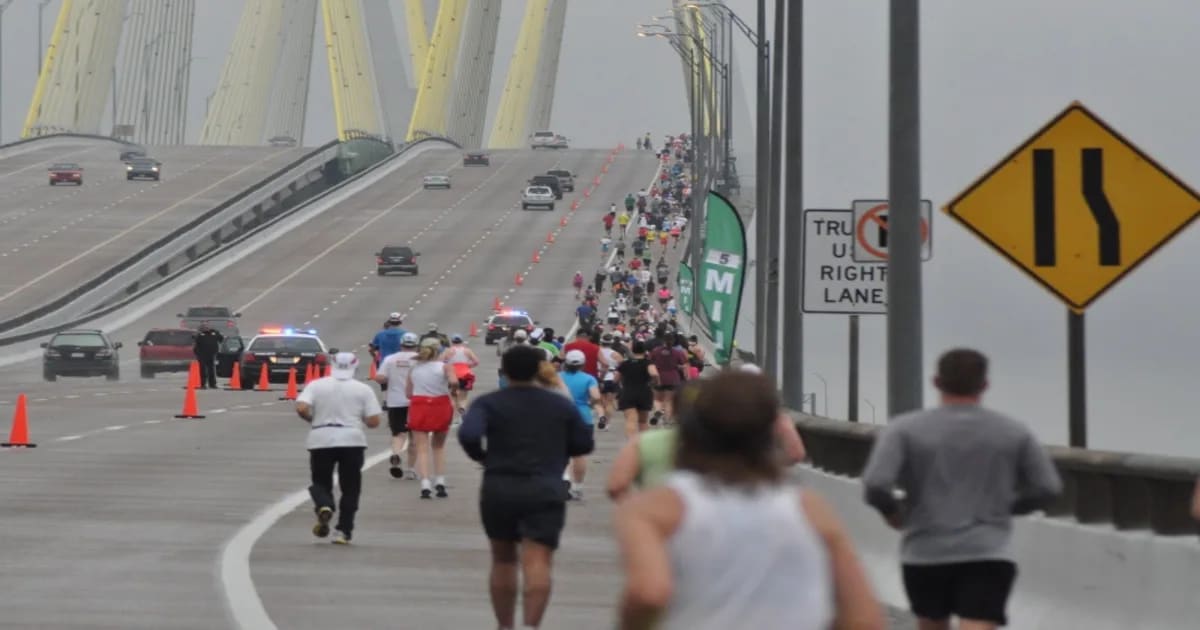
585, 392
387, 341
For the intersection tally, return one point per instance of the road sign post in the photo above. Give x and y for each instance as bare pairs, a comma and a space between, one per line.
1077, 207
852, 398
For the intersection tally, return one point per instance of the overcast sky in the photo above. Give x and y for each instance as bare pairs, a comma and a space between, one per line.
992, 74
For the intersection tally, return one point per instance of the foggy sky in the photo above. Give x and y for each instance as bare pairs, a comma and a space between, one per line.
992, 74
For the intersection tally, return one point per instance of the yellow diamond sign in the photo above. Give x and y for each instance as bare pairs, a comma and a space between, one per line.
1077, 207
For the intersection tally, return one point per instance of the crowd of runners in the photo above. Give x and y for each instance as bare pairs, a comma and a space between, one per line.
712, 532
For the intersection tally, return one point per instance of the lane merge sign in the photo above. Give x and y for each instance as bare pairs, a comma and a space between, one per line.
833, 283
1076, 207
871, 231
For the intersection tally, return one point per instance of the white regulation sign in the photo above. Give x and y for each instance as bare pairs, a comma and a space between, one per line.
833, 281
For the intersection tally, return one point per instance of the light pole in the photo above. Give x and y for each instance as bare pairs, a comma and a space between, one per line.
825, 393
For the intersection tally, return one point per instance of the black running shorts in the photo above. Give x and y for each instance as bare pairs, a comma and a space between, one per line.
398, 420
608, 387
975, 590
641, 399
523, 508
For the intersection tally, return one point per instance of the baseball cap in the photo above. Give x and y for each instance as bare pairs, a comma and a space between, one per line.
344, 364
394, 318
751, 368
432, 326
576, 357
520, 334
410, 340
537, 334
456, 338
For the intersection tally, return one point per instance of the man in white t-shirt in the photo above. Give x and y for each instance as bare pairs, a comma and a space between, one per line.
337, 407
393, 374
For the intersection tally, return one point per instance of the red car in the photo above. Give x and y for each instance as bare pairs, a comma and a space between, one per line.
66, 173
166, 350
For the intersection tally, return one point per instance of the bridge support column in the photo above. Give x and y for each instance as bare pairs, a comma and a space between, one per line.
433, 93
418, 39
152, 83
74, 85
546, 75
350, 71
237, 114
396, 96
293, 75
509, 128
472, 85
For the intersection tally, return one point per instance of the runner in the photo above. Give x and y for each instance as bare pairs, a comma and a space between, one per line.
585, 392
462, 361
429, 387
669, 363
433, 333
393, 376
629, 203
387, 341
529, 434
608, 220
726, 542
609, 359
337, 407
636, 377
963, 471
577, 282
601, 276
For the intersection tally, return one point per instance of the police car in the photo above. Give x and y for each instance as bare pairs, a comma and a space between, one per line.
501, 324
280, 349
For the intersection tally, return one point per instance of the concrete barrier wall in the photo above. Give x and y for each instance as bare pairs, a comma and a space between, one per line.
1070, 575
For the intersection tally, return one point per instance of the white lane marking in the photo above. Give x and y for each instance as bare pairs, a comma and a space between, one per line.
218, 411
245, 605
115, 427
152, 422
68, 438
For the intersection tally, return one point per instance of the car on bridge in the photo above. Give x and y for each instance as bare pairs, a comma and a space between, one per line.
280, 350
66, 173
132, 154
547, 140
166, 350
282, 141
219, 317
501, 324
477, 159
400, 258
81, 352
566, 179
436, 181
539, 196
143, 168
549, 181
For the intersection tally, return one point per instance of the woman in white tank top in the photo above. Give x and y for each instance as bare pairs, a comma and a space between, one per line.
725, 542
430, 410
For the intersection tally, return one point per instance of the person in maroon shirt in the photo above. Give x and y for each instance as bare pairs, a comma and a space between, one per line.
591, 352
670, 362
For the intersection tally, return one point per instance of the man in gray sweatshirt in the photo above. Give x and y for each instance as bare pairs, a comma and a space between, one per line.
951, 478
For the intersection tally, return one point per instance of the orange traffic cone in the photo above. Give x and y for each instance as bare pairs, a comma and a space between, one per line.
264, 382
193, 375
604, 169
474, 330
587, 194
549, 237
575, 205
291, 392
537, 257
191, 410
328, 369
596, 180
235, 379
496, 304
517, 279
373, 371
19, 437
563, 221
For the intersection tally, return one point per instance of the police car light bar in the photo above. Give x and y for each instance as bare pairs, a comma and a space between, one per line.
286, 331
513, 311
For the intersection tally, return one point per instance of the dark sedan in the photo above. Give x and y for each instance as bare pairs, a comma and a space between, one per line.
396, 258
143, 168
477, 159
82, 352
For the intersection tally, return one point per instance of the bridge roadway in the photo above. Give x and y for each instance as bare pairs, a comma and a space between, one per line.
54, 238
127, 509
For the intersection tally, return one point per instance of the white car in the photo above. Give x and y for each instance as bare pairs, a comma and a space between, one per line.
436, 181
537, 196
547, 140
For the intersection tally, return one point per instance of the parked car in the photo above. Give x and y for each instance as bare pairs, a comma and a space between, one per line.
280, 350
229, 354
537, 196
220, 317
66, 173
396, 258
549, 181
81, 352
436, 181
477, 159
166, 350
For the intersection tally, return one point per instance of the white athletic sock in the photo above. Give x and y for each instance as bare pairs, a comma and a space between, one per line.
425, 485
441, 480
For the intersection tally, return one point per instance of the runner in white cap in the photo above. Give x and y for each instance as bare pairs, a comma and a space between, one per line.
393, 375
337, 407
585, 393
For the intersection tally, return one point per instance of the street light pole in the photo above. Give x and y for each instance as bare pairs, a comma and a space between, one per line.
762, 183
770, 360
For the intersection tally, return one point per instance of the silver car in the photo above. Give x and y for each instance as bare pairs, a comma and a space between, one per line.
546, 140
540, 196
436, 181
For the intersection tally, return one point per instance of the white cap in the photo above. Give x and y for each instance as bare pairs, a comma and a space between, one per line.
394, 317
537, 334
520, 334
576, 357
751, 368
344, 365
410, 340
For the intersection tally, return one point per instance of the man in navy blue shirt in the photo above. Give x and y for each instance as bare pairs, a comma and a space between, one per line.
387, 341
531, 433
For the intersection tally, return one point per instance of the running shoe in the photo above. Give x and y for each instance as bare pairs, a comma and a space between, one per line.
321, 529
426, 493
603, 423
654, 418
575, 495
441, 491
410, 475
341, 538
396, 470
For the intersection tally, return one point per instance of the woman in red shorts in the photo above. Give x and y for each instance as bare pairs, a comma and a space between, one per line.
431, 382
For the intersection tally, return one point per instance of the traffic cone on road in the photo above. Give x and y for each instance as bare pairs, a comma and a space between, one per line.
596, 180
575, 205
328, 369
496, 304
518, 280
264, 382
474, 330
310, 374
193, 375
587, 194
19, 436
235, 378
191, 410
549, 237
290, 394
563, 221
537, 257
604, 169
372, 371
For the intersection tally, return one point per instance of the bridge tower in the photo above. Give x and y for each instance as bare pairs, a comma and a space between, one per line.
237, 114
288, 104
76, 80
509, 129
546, 75
433, 92
472, 85
418, 38
150, 102
396, 95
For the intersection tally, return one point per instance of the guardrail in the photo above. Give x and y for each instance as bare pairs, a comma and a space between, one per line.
1127, 490
212, 242
65, 134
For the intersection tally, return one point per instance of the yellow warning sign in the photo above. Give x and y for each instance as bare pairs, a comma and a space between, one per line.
1077, 207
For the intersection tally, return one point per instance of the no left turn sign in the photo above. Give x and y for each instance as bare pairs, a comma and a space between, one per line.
871, 230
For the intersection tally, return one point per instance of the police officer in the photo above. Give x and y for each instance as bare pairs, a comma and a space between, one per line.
435, 334
206, 344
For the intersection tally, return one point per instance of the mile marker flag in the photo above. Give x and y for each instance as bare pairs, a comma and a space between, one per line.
722, 273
